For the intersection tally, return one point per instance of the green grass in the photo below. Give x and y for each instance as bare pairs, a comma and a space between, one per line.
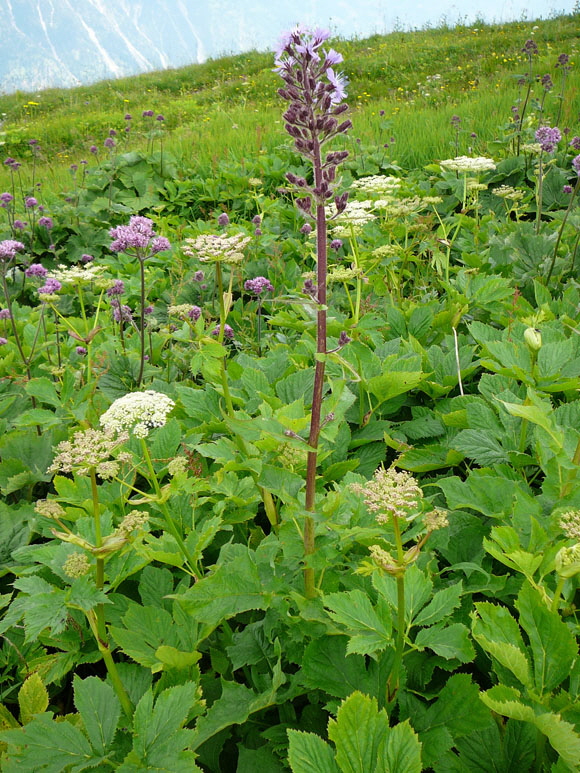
228, 107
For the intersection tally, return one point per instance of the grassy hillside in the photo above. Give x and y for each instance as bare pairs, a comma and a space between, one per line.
405, 85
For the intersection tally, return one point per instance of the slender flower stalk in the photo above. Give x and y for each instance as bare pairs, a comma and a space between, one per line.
315, 93
565, 218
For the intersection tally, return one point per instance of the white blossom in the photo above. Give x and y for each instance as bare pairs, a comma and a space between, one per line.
139, 411
468, 164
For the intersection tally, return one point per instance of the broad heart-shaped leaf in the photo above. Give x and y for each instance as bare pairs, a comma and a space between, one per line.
369, 633
441, 605
561, 735
48, 746
365, 743
553, 646
99, 708
234, 587
451, 641
496, 631
308, 753
32, 698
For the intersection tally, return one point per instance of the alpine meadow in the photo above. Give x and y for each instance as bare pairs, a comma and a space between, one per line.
290, 410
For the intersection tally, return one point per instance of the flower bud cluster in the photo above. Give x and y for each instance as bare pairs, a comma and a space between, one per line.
315, 93
211, 248
89, 448
468, 164
138, 238
390, 493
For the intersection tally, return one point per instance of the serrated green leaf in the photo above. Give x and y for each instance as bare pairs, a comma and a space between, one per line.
48, 746
553, 645
165, 440
354, 610
234, 587
402, 751
497, 632
440, 606
308, 753
100, 710
145, 630
358, 733
450, 641
458, 709
44, 390
32, 698
174, 658
481, 446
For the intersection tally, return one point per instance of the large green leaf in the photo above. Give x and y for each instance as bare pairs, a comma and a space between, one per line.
441, 605
448, 641
308, 753
369, 633
497, 632
144, 630
553, 645
99, 708
358, 732
32, 698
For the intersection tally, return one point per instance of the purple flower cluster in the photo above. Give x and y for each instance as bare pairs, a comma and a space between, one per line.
228, 331
117, 288
121, 313
576, 165
30, 202
195, 313
147, 113
223, 219
315, 93
3, 341
46, 222
9, 248
138, 237
6, 198
258, 285
50, 286
85, 258
5, 314
548, 137
575, 143
36, 269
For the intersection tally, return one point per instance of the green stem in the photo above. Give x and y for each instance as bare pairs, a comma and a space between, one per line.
142, 320
539, 195
394, 676
558, 594
166, 514
553, 261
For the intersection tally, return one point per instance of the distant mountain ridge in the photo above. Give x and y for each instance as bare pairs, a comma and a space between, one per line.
45, 43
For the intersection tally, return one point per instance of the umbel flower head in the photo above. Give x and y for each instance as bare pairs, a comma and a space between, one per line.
138, 412
89, 448
390, 493
210, 248
468, 164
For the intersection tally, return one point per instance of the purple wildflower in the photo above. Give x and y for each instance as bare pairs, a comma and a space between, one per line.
148, 310
563, 60
86, 258
199, 276
548, 137
73, 167
546, 82
257, 220
160, 118
138, 236
575, 166
575, 143
4, 313
128, 117
19, 225
50, 286
257, 232
194, 313
530, 48
306, 229
30, 202
336, 244
6, 197
117, 288
121, 313
455, 121
223, 219
228, 331
9, 248
160, 244
81, 351
112, 133
94, 149
258, 285
147, 113
109, 143
567, 189
46, 222
36, 269
3, 341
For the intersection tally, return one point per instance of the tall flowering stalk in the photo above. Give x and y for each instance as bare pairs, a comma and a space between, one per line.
315, 93
139, 239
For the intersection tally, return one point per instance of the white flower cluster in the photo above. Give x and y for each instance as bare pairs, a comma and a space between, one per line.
139, 411
210, 248
508, 192
77, 274
468, 164
355, 216
377, 183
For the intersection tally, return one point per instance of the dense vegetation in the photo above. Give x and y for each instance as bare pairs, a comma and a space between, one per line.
290, 482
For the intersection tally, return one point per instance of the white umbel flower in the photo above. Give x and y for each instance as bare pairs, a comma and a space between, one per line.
137, 411
468, 164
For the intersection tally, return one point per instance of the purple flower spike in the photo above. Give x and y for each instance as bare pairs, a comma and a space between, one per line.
575, 166
50, 286
30, 202
117, 288
19, 225
195, 313
46, 222
575, 143
81, 351
258, 285
6, 197
109, 143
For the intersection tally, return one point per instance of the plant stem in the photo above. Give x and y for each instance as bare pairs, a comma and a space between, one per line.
142, 320
394, 676
553, 261
558, 594
539, 194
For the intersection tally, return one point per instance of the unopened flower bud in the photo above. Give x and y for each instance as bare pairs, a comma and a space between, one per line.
533, 339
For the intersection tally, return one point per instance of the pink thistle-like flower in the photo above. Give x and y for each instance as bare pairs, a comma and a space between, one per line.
9, 248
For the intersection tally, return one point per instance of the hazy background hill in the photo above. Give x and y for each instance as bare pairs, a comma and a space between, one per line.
45, 43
